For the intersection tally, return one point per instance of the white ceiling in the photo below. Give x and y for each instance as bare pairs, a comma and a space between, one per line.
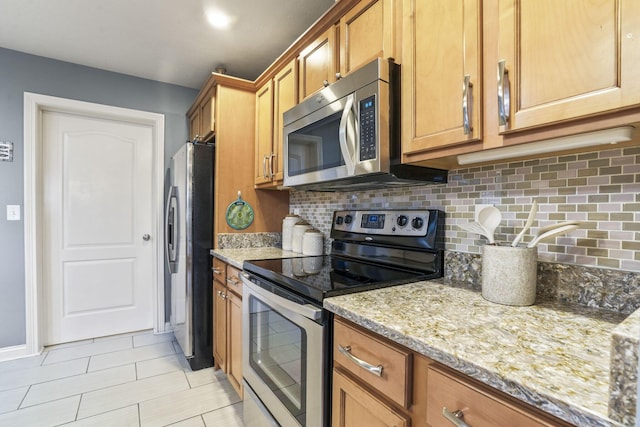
165, 40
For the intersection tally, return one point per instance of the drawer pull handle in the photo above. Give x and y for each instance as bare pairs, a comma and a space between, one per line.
216, 271
375, 370
455, 417
234, 282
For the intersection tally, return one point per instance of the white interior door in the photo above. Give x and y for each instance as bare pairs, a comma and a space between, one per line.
98, 220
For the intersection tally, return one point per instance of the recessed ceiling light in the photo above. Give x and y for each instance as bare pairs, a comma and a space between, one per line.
219, 19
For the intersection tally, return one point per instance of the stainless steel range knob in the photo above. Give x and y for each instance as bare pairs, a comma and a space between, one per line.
348, 219
402, 220
417, 223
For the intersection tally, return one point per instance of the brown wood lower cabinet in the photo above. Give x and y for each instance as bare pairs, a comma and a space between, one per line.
227, 322
360, 397
354, 405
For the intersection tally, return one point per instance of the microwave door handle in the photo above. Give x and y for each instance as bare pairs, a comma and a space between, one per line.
342, 136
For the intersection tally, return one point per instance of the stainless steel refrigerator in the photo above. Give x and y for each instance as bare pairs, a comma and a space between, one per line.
189, 239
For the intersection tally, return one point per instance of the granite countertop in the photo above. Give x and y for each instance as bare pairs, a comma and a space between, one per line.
236, 257
553, 356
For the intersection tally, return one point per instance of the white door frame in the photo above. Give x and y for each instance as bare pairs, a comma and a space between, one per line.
34, 105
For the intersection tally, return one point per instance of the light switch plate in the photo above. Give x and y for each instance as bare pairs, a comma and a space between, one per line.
13, 212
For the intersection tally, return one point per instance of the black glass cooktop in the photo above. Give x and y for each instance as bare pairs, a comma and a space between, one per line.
320, 277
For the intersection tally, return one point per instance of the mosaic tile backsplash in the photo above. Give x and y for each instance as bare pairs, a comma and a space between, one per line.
600, 189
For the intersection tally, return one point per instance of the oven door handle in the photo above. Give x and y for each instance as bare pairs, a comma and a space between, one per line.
307, 310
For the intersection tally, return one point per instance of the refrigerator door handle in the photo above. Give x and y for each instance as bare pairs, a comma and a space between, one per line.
171, 231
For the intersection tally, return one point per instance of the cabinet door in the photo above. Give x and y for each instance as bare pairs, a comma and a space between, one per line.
367, 31
567, 59
354, 406
220, 326
207, 115
441, 76
318, 63
194, 125
234, 344
285, 91
264, 132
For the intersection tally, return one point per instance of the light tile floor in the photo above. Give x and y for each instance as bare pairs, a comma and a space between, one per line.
136, 379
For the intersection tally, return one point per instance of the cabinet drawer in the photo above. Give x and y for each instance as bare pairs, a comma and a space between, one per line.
393, 381
234, 284
479, 407
219, 271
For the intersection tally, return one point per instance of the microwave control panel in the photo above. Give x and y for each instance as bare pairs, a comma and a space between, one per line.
368, 128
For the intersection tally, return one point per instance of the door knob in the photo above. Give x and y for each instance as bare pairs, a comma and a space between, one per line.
146, 237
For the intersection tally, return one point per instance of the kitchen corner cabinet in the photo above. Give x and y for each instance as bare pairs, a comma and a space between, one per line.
441, 75
368, 31
227, 322
566, 59
412, 390
272, 99
318, 63
234, 163
202, 114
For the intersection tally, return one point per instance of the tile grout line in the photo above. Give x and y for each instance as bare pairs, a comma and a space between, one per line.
78, 408
23, 397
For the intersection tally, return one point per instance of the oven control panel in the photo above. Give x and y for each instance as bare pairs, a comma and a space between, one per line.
383, 222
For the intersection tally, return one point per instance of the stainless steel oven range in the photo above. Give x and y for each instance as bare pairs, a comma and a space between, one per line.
286, 354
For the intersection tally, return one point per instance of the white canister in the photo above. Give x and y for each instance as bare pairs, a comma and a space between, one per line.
312, 242
287, 230
298, 231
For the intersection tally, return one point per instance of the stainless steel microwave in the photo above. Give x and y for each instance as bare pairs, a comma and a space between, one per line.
346, 137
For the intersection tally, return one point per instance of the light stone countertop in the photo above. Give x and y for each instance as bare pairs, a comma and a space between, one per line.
236, 257
553, 356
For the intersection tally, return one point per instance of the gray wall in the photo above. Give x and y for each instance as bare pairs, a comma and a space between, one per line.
21, 73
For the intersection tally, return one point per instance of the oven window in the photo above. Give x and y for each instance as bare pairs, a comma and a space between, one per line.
315, 147
278, 355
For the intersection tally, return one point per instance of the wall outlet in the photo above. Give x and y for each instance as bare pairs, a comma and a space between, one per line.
13, 212
478, 209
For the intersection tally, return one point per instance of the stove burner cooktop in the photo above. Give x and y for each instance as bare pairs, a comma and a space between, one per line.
370, 250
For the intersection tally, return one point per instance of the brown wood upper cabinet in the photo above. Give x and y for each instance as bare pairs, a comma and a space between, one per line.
272, 99
441, 74
486, 74
318, 63
566, 59
368, 31
202, 114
